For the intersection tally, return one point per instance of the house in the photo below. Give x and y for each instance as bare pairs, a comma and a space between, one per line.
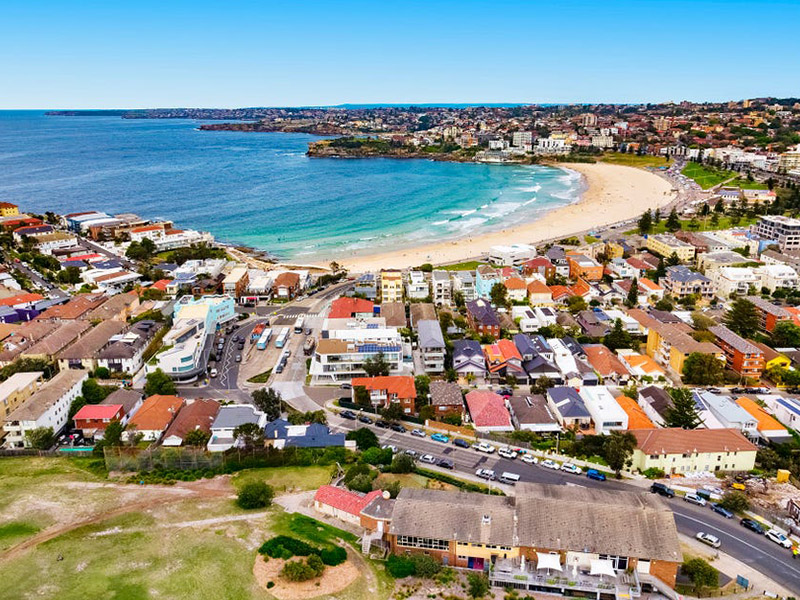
421, 311
442, 287
92, 419
772, 358
769, 314
351, 308
117, 308
394, 313
539, 265
367, 286
606, 364
446, 399
517, 289
228, 419
593, 323
75, 308
431, 345
607, 414
343, 504
582, 266
17, 389
52, 344
666, 244
727, 413
155, 415
656, 403
531, 413
568, 407
768, 427
539, 294
130, 400
681, 451
486, 278
784, 230
417, 286
46, 407
504, 360
286, 285
391, 286
198, 413
84, 353
741, 356
280, 434
468, 360
550, 526
641, 366
680, 281
482, 318
637, 417
387, 390
124, 352
487, 411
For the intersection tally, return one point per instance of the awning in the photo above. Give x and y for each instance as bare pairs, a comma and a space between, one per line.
603, 567
548, 561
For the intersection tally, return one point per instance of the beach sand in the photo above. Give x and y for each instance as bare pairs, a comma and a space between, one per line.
613, 193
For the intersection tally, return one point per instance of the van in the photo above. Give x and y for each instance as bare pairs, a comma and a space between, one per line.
509, 478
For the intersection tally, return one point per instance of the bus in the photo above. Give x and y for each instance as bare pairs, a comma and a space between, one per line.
263, 341
298, 324
280, 341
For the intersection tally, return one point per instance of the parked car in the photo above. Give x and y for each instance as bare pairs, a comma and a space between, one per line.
411, 453
279, 368
348, 414
460, 443
779, 538
365, 419
752, 525
428, 458
709, 539
718, 508
509, 478
484, 447
346, 386
213, 373
570, 468
446, 463
507, 453
440, 437
397, 427
695, 499
418, 432
238, 358
660, 488
382, 424
549, 464
485, 474
530, 459
596, 475
390, 447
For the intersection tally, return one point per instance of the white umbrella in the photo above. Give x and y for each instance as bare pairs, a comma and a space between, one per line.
548, 561
522, 563
602, 567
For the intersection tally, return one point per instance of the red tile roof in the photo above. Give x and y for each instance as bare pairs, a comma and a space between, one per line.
156, 413
603, 360
560, 291
344, 307
401, 385
97, 412
344, 500
515, 283
537, 287
21, 299
487, 409
161, 284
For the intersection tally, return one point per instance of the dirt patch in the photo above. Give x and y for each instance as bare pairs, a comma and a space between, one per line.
333, 580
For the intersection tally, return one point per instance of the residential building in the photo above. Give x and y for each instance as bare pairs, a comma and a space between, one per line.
417, 287
711, 262
75, 308
468, 361
351, 308
504, 360
582, 266
607, 414
367, 285
728, 414
539, 265
92, 419
784, 230
486, 278
464, 284
482, 318
641, 366
513, 255
446, 399
656, 404
431, 346
772, 358
769, 429
666, 244
387, 390
517, 289
442, 287
286, 285
51, 345
531, 413
236, 282
539, 294
786, 410
774, 277
46, 407
680, 281
391, 286
280, 434
487, 411
569, 408
741, 356
734, 281
117, 308
637, 417
682, 451
198, 413
154, 417
130, 400
8, 210
606, 364
670, 346
228, 419
84, 353
124, 352
421, 311
394, 313
17, 389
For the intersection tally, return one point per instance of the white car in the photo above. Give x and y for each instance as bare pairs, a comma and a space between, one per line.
390, 447
484, 447
570, 468
695, 499
411, 453
507, 453
213, 372
530, 459
549, 464
418, 432
427, 458
485, 474
709, 539
779, 538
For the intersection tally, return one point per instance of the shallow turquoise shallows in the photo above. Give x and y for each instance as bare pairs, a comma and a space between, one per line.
260, 189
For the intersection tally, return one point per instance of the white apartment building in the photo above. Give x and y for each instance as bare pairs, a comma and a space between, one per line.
464, 282
550, 145
784, 230
734, 280
607, 414
522, 139
777, 276
512, 255
533, 319
442, 288
417, 286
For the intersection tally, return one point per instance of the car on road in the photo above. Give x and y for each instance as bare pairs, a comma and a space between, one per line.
718, 508
238, 358
382, 424
440, 437
752, 525
348, 414
663, 490
235, 338
411, 453
549, 464
428, 458
446, 463
389, 447
596, 475
365, 419
779, 538
570, 468
485, 474
397, 427
346, 386
418, 433
308, 331
507, 453
484, 447
279, 368
709, 539
460, 443
213, 373
530, 459
695, 499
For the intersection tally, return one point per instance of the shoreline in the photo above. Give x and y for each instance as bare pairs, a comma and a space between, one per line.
612, 193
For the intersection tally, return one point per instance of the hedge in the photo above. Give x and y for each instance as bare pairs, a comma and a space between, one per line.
283, 546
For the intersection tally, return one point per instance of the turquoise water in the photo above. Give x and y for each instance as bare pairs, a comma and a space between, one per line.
260, 189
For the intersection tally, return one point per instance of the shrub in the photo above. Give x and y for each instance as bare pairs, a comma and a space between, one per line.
361, 483
283, 546
477, 585
701, 573
403, 463
270, 585
399, 566
425, 566
301, 570
255, 494
653, 473
333, 556
735, 502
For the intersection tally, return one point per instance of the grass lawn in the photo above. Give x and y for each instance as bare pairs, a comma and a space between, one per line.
707, 177
261, 377
705, 224
311, 530
469, 265
414, 480
747, 185
632, 160
283, 479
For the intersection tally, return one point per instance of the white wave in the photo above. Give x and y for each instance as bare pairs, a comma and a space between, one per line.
529, 201
445, 222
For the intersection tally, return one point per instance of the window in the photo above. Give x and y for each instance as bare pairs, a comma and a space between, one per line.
417, 542
620, 562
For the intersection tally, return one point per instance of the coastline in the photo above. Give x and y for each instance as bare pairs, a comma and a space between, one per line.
612, 193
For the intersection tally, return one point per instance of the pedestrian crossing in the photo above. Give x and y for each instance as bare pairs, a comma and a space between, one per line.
294, 315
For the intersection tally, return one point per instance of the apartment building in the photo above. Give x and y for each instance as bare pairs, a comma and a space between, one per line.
741, 356
669, 346
236, 282
680, 281
665, 244
391, 286
784, 230
775, 277
387, 390
15, 390
736, 281
482, 318
431, 346
442, 287
513, 255
485, 279
582, 266
464, 284
769, 314
417, 286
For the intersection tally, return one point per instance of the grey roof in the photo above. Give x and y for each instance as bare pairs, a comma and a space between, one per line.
67, 332
315, 435
685, 274
531, 409
568, 402
444, 393
524, 344
733, 340
658, 398
467, 348
379, 508
483, 312
92, 342
769, 307
430, 334
234, 415
47, 395
127, 398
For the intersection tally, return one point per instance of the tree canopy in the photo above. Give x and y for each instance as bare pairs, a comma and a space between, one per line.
703, 369
683, 412
269, 401
742, 318
159, 382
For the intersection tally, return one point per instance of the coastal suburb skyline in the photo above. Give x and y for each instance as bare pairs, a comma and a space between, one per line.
205, 54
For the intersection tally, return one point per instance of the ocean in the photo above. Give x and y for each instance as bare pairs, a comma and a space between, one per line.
260, 189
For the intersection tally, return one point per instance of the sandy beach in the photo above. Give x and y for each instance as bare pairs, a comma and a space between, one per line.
613, 193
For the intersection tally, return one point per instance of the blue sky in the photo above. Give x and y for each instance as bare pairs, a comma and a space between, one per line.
95, 54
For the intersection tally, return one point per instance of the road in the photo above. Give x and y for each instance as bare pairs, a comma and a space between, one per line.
744, 545
53, 291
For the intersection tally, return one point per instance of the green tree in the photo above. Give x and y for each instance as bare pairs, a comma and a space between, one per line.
254, 494
661, 269
269, 401
361, 395
646, 222
700, 573
248, 434
159, 382
93, 392
477, 585
378, 366
633, 294
701, 321
393, 412
673, 222
197, 437
422, 383
742, 318
714, 219
499, 295
364, 438
665, 304
673, 260
735, 501
41, 438
618, 450
618, 337
541, 385
112, 436
576, 304
683, 412
703, 369
402, 463
786, 335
